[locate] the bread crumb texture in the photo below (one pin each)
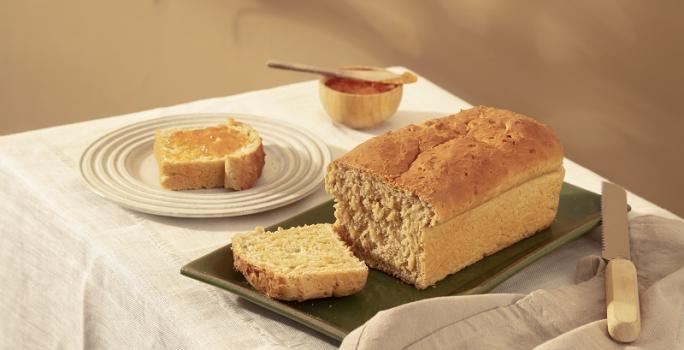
(298, 263)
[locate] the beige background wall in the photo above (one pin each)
(607, 75)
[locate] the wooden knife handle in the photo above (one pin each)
(622, 301)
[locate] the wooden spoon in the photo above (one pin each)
(374, 74)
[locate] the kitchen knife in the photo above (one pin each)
(622, 291)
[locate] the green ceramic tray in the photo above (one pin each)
(579, 211)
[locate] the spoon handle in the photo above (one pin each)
(302, 68)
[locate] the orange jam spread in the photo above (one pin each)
(207, 142)
(361, 87)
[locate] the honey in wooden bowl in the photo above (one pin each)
(359, 104)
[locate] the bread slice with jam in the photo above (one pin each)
(229, 155)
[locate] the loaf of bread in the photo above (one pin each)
(427, 200)
(298, 263)
(228, 155)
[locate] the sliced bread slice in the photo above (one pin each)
(228, 155)
(299, 263)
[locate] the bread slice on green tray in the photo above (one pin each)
(299, 263)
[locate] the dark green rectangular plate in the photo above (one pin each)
(579, 211)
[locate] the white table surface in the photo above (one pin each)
(79, 271)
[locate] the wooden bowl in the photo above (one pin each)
(359, 111)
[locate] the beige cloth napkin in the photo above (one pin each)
(569, 317)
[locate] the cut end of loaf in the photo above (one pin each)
(299, 263)
(383, 225)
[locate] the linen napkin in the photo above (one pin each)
(569, 317)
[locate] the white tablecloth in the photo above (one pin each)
(79, 271)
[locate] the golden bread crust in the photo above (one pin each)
(243, 170)
(497, 224)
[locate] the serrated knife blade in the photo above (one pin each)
(623, 316)
(615, 228)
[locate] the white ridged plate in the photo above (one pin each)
(121, 167)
